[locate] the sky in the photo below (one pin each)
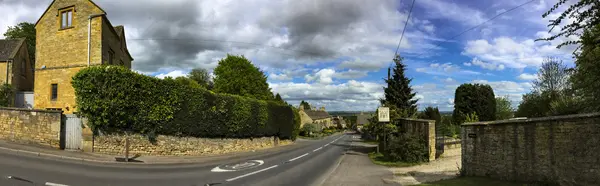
(335, 53)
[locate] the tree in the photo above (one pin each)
(279, 99)
(305, 105)
(586, 79)
(504, 109)
(552, 86)
(432, 114)
(474, 98)
(237, 75)
(585, 15)
(201, 76)
(553, 77)
(398, 92)
(24, 30)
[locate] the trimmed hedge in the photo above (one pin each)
(115, 100)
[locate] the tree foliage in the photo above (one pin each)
(115, 99)
(202, 77)
(553, 76)
(7, 95)
(586, 79)
(237, 75)
(305, 105)
(398, 92)
(553, 86)
(279, 99)
(585, 15)
(504, 108)
(23, 30)
(474, 98)
(432, 114)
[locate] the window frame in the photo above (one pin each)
(52, 92)
(60, 17)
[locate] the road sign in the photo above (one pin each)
(384, 114)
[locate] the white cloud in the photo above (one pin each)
(452, 11)
(323, 76)
(445, 69)
(467, 64)
(513, 54)
(173, 74)
(526, 76)
(280, 77)
(485, 65)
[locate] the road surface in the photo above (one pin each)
(306, 165)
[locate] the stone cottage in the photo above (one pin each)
(64, 46)
(15, 64)
(319, 117)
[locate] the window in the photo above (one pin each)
(66, 18)
(23, 68)
(111, 55)
(54, 92)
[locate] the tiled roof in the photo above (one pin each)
(9, 47)
(317, 114)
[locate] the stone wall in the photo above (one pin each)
(558, 150)
(179, 146)
(423, 128)
(38, 127)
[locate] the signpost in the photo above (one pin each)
(383, 116)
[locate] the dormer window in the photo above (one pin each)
(66, 18)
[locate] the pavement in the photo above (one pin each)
(355, 168)
(303, 163)
(445, 167)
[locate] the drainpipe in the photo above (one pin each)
(90, 35)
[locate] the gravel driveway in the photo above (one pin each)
(446, 167)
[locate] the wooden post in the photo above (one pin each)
(126, 147)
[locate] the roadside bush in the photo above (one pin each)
(406, 148)
(6, 95)
(115, 99)
(309, 129)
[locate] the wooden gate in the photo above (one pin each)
(72, 132)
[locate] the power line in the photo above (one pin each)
(478, 25)
(404, 29)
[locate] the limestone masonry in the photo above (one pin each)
(37, 127)
(557, 150)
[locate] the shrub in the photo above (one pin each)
(406, 148)
(6, 95)
(309, 129)
(471, 98)
(116, 99)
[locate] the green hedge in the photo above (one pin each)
(116, 99)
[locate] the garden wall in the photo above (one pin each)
(37, 127)
(558, 150)
(179, 146)
(423, 128)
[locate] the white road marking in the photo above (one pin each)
(231, 179)
(298, 157)
(317, 149)
(217, 169)
(55, 184)
(325, 145)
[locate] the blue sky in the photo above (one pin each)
(334, 53)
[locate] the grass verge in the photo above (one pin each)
(379, 159)
(472, 181)
(372, 142)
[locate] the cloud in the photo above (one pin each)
(445, 69)
(467, 64)
(326, 76)
(526, 76)
(359, 64)
(173, 74)
(352, 95)
(439, 9)
(485, 65)
(510, 53)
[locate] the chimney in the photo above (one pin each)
(301, 107)
(322, 109)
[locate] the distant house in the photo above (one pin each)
(64, 46)
(339, 121)
(15, 64)
(319, 117)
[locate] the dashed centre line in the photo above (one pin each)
(317, 149)
(54, 184)
(231, 179)
(298, 157)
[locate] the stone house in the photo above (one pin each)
(15, 64)
(64, 46)
(362, 119)
(319, 117)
